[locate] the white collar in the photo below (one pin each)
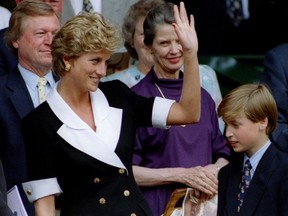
(76, 132)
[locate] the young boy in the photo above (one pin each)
(250, 114)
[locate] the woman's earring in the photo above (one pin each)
(67, 67)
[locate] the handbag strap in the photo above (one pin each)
(175, 197)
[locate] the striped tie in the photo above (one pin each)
(244, 184)
(87, 6)
(235, 11)
(42, 89)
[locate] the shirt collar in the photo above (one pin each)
(254, 160)
(31, 79)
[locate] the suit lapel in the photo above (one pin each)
(259, 181)
(20, 97)
(76, 132)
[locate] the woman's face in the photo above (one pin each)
(87, 70)
(167, 51)
(144, 54)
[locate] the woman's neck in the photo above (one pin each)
(161, 74)
(144, 67)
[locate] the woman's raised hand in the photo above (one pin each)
(185, 29)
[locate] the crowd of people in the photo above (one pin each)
(78, 142)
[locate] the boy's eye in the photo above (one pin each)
(235, 125)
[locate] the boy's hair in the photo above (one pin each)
(254, 101)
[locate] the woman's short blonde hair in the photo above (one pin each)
(86, 32)
(254, 101)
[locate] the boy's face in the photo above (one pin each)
(245, 135)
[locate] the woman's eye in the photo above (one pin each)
(95, 61)
(164, 43)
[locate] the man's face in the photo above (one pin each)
(34, 46)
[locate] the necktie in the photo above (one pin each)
(235, 11)
(42, 89)
(87, 6)
(244, 184)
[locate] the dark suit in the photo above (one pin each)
(264, 29)
(276, 77)
(15, 103)
(8, 60)
(267, 194)
(4, 209)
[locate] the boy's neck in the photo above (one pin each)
(257, 146)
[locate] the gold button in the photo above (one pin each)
(121, 171)
(126, 193)
(29, 192)
(133, 214)
(96, 180)
(102, 201)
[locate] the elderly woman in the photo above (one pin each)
(182, 156)
(79, 142)
(142, 59)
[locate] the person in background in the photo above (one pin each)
(181, 156)
(133, 35)
(57, 5)
(114, 10)
(219, 34)
(4, 17)
(255, 182)
(90, 126)
(33, 25)
(275, 76)
(8, 59)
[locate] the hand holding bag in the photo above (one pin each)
(191, 206)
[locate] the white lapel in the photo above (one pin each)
(100, 145)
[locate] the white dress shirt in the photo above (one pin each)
(31, 81)
(78, 4)
(255, 159)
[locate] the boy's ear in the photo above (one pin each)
(263, 123)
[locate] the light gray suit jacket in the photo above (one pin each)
(114, 10)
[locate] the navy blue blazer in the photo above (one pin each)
(16, 103)
(4, 209)
(276, 77)
(267, 194)
(8, 60)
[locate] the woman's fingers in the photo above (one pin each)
(183, 13)
(180, 14)
(191, 21)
